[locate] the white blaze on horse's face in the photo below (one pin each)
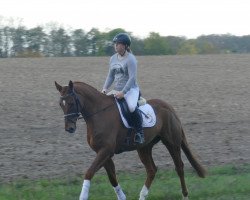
(62, 104)
(70, 108)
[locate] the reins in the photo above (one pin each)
(81, 112)
(92, 114)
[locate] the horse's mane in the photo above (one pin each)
(89, 88)
(85, 85)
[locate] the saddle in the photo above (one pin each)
(125, 110)
(148, 115)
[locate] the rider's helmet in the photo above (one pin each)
(122, 38)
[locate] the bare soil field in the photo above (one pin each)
(211, 94)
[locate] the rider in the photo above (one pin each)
(123, 72)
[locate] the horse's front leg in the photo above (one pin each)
(99, 161)
(110, 169)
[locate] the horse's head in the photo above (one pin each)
(70, 105)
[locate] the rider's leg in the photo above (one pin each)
(137, 118)
(132, 98)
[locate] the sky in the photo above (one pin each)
(189, 18)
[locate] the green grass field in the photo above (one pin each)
(222, 183)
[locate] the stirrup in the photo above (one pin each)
(139, 138)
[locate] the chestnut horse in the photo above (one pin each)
(106, 135)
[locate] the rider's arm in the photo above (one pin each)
(132, 72)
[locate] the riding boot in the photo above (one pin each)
(137, 119)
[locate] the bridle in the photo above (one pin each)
(77, 106)
(80, 112)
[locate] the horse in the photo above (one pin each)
(106, 135)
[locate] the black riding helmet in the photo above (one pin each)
(122, 38)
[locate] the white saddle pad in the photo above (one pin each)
(147, 110)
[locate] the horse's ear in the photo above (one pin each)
(58, 87)
(70, 85)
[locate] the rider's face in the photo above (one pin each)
(119, 48)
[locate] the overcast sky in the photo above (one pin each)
(190, 18)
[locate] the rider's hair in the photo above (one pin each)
(128, 49)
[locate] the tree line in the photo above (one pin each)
(60, 42)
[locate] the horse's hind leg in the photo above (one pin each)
(175, 152)
(110, 169)
(145, 155)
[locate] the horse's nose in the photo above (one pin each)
(71, 130)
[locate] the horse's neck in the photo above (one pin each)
(93, 100)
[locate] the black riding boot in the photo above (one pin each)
(137, 119)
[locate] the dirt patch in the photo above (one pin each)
(210, 94)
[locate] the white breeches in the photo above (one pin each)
(131, 98)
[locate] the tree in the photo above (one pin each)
(59, 43)
(137, 46)
(205, 47)
(36, 40)
(18, 37)
(155, 45)
(223, 43)
(80, 42)
(174, 44)
(53, 40)
(244, 43)
(93, 36)
(6, 42)
(3, 52)
(188, 47)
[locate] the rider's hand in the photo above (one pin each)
(119, 95)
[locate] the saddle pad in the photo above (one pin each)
(147, 110)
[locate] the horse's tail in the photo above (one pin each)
(201, 171)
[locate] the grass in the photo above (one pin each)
(222, 183)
